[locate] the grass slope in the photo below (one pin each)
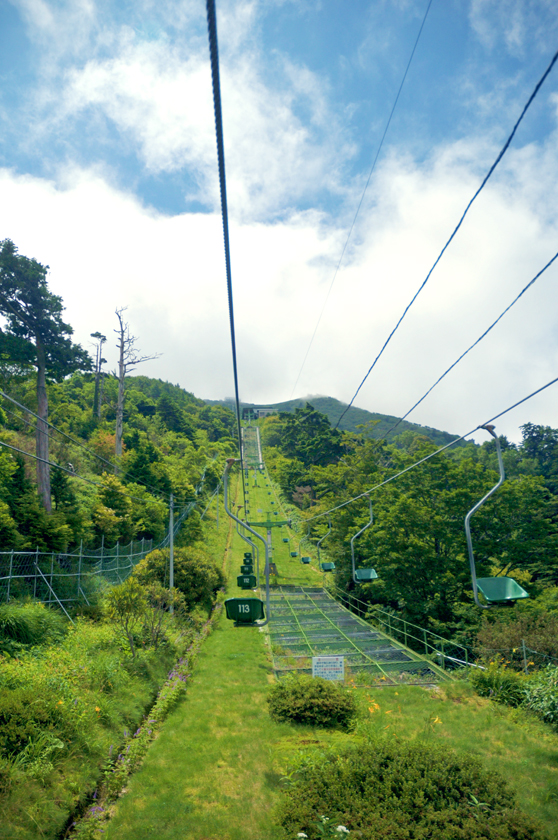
(215, 771)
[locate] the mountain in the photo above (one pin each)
(354, 418)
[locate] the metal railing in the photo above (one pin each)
(448, 653)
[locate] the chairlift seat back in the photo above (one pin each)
(362, 575)
(305, 560)
(244, 610)
(327, 567)
(246, 581)
(501, 589)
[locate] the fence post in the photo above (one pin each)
(425, 642)
(79, 566)
(117, 567)
(51, 575)
(11, 573)
(102, 550)
(405, 632)
(524, 656)
(36, 574)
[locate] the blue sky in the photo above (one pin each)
(108, 174)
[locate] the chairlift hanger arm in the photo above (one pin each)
(362, 530)
(230, 462)
(499, 589)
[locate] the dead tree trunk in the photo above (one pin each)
(43, 469)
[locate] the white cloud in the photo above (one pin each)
(106, 250)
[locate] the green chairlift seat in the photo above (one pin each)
(248, 555)
(501, 590)
(285, 539)
(244, 610)
(247, 569)
(327, 567)
(294, 553)
(246, 581)
(305, 560)
(364, 575)
(496, 590)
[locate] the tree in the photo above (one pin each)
(37, 335)
(128, 358)
(99, 361)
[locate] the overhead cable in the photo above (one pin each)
(362, 196)
(432, 454)
(474, 344)
(214, 60)
(461, 220)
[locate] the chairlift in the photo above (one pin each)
(362, 575)
(320, 541)
(305, 560)
(501, 589)
(327, 567)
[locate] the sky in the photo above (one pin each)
(108, 175)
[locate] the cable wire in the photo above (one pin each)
(432, 454)
(214, 60)
(362, 196)
(474, 344)
(461, 220)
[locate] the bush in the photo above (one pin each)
(499, 683)
(541, 694)
(402, 791)
(195, 574)
(29, 624)
(310, 700)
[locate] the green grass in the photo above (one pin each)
(211, 773)
(215, 771)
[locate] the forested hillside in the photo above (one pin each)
(170, 440)
(359, 420)
(417, 541)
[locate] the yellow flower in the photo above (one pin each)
(97, 709)
(60, 703)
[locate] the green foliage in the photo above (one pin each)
(541, 694)
(312, 701)
(159, 602)
(126, 605)
(499, 682)
(403, 791)
(195, 574)
(30, 624)
(508, 629)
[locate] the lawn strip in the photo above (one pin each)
(211, 772)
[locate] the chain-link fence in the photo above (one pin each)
(70, 578)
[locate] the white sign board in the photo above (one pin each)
(328, 667)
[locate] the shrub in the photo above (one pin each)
(126, 604)
(30, 624)
(310, 700)
(499, 683)
(403, 791)
(541, 694)
(195, 574)
(507, 630)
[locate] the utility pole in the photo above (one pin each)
(171, 546)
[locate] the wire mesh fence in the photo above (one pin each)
(307, 622)
(70, 578)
